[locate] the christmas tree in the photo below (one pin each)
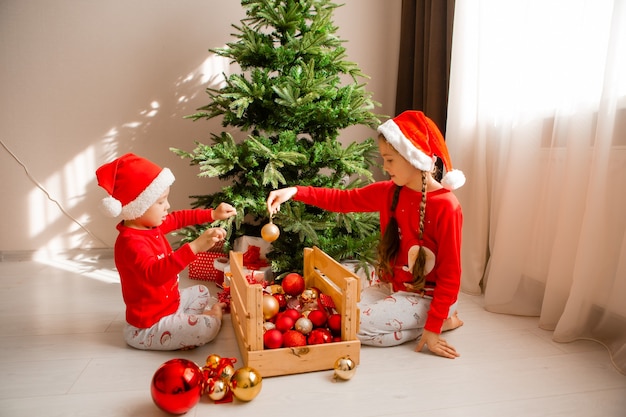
(295, 92)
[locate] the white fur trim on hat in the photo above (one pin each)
(110, 206)
(392, 133)
(148, 196)
(453, 179)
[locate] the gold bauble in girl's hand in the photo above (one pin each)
(270, 232)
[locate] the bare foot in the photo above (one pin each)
(452, 322)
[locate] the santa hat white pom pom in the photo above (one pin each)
(453, 179)
(111, 206)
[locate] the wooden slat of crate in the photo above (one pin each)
(246, 301)
(322, 272)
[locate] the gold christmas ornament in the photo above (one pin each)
(213, 361)
(345, 368)
(226, 372)
(246, 383)
(270, 232)
(218, 388)
(275, 289)
(268, 325)
(270, 306)
(304, 325)
(310, 294)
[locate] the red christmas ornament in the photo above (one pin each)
(284, 322)
(293, 338)
(326, 301)
(273, 339)
(318, 318)
(319, 336)
(177, 386)
(282, 300)
(334, 324)
(293, 284)
(293, 313)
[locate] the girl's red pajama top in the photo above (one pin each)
(442, 234)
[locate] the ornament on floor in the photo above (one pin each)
(345, 368)
(178, 384)
(217, 372)
(217, 389)
(246, 383)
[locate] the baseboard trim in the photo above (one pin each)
(72, 254)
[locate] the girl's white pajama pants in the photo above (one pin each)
(391, 318)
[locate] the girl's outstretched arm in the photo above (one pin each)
(276, 197)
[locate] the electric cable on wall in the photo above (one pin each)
(42, 188)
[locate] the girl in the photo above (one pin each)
(159, 316)
(419, 260)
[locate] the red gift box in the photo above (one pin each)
(203, 268)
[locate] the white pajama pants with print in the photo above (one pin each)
(186, 328)
(391, 318)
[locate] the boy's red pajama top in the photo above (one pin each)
(149, 268)
(442, 234)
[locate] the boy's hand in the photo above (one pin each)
(217, 310)
(224, 211)
(208, 239)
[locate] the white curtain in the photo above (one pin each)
(537, 121)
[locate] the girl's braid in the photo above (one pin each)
(423, 206)
(420, 262)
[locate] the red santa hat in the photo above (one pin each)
(418, 139)
(133, 183)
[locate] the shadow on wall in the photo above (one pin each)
(75, 194)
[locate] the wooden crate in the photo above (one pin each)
(320, 271)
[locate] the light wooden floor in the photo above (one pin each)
(63, 355)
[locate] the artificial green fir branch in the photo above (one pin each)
(290, 101)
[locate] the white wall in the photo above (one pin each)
(84, 81)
